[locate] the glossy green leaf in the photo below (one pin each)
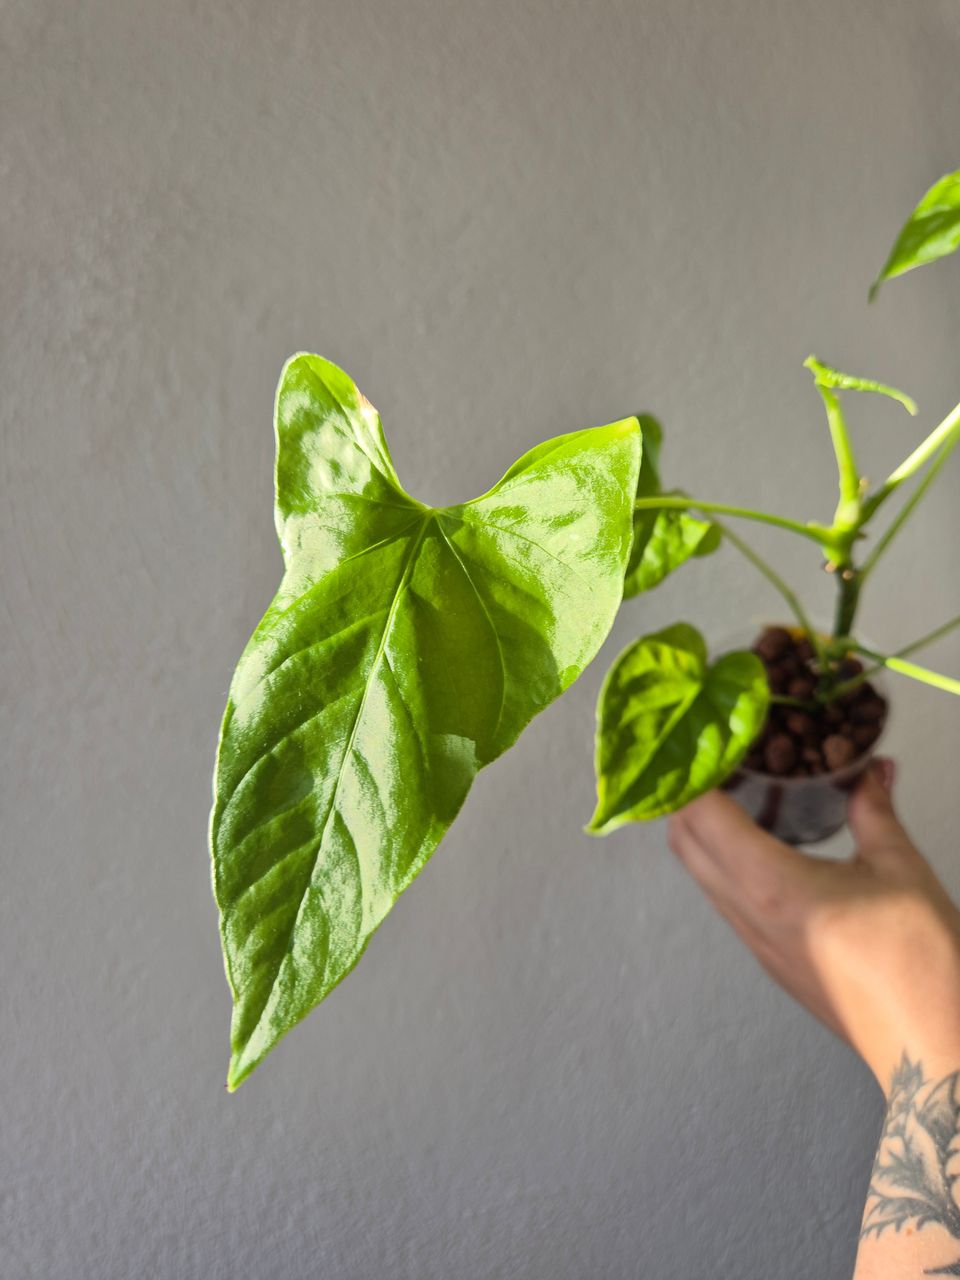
(824, 376)
(662, 540)
(670, 726)
(406, 648)
(932, 231)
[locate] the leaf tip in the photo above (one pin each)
(600, 822)
(239, 1069)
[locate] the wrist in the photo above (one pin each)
(937, 1052)
(911, 1220)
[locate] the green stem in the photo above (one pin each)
(783, 700)
(847, 471)
(908, 507)
(848, 597)
(816, 532)
(944, 435)
(776, 581)
(923, 674)
(915, 645)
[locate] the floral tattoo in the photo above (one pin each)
(916, 1175)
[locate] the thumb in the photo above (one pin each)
(870, 814)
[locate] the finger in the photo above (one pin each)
(711, 878)
(762, 868)
(765, 907)
(875, 826)
(716, 886)
(768, 949)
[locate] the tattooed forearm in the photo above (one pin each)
(916, 1172)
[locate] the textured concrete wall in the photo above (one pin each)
(506, 221)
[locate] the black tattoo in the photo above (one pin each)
(916, 1175)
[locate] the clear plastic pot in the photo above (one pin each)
(799, 810)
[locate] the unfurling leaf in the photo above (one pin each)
(662, 540)
(824, 376)
(670, 726)
(407, 647)
(932, 231)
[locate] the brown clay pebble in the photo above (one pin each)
(777, 680)
(798, 743)
(849, 668)
(780, 754)
(838, 751)
(868, 711)
(801, 687)
(801, 724)
(865, 735)
(772, 643)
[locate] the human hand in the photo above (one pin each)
(870, 945)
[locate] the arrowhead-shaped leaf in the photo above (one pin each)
(932, 231)
(407, 647)
(662, 540)
(670, 726)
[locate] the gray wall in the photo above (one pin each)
(506, 221)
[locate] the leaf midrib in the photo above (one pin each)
(683, 707)
(489, 620)
(408, 564)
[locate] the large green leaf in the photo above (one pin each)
(662, 540)
(406, 648)
(932, 231)
(670, 727)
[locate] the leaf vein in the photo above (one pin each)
(348, 749)
(493, 630)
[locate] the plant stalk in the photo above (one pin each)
(847, 472)
(816, 532)
(946, 434)
(923, 674)
(915, 645)
(848, 597)
(792, 599)
(909, 506)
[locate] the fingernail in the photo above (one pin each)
(885, 771)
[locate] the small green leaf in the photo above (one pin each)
(406, 648)
(710, 541)
(932, 231)
(824, 376)
(670, 727)
(662, 540)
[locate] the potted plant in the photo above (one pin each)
(408, 646)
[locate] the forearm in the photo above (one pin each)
(911, 1219)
